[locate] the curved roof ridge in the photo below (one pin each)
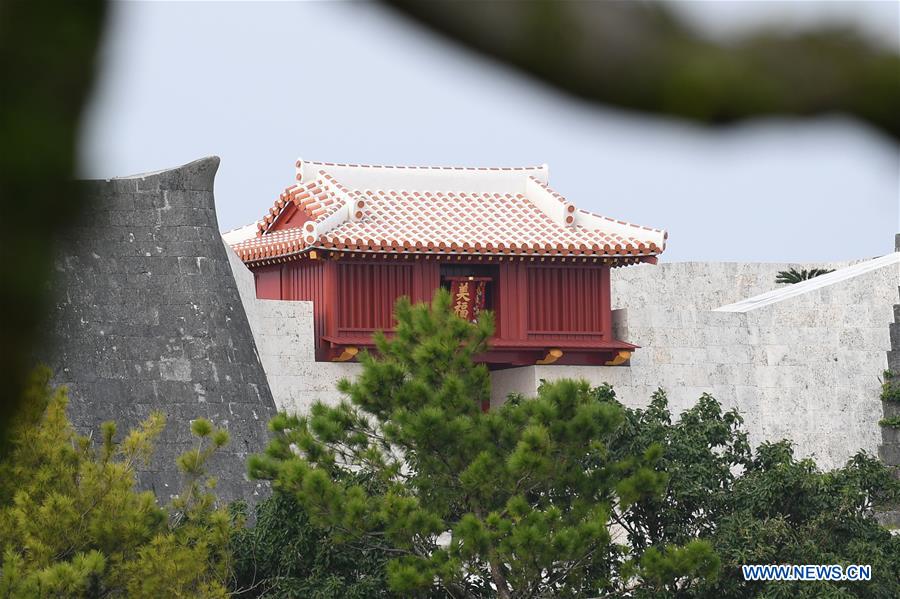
(624, 222)
(556, 195)
(563, 200)
(571, 220)
(291, 194)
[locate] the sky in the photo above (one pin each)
(262, 84)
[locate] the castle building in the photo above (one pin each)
(352, 239)
(154, 313)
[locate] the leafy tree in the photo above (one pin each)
(285, 555)
(703, 453)
(792, 275)
(757, 508)
(73, 525)
(785, 510)
(515, 502)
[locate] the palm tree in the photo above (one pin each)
(791, 276)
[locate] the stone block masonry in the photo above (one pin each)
(807, 368)
(889, 450)
(890, 436)
(148, 317)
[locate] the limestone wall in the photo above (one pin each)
(698, 285)
(807, 368)
(284, 336)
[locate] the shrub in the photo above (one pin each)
(890, 387)
(762, 507)
(893, 422)
(285, 555)
(73, 525)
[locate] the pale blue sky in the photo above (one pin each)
(262, 84)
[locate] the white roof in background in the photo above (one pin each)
(789, 291)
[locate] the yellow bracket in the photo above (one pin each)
(347, 354)
(620, 358)
(552, 356)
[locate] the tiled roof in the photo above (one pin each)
(443, 210)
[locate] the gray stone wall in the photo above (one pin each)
(889, 450)
(890, 436)
(148, 318)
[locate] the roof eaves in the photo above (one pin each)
(288, 253)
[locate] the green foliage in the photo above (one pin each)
(892, 422)
(699, 453)
(72, 524)
(286, 555)
(762, 508)
(784, 510)
(513, 502)
(792, 275)
(890, 388)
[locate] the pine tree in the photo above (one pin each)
(514, 502)
(73, 525)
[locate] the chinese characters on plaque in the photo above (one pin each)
(468, 298)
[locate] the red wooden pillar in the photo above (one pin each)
(426, 279)
(330, 296)
(501, 301)
(605, 303)
(518, 301)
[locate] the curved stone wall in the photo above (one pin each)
(148, 317)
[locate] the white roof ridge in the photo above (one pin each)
(563, 200)
(423, 178)
(842, 274)
(433, 192)
(539, 167)
(241, 233)
(623, 222)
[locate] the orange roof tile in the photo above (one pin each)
(441, 212)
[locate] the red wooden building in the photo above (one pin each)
(354, 238)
